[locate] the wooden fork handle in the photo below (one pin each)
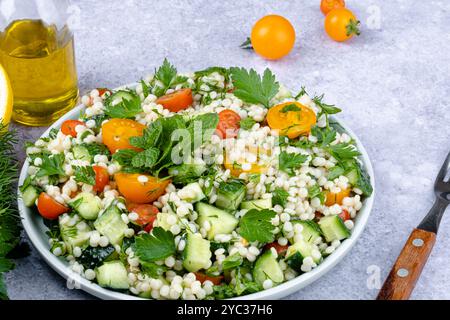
(408, 267)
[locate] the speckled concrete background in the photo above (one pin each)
(393, 84)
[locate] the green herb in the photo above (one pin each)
(288, 162)
(152, 269)
(324, 136)
(243, 285)
(128, 107)
(251, 88)
(124, 157)
(247, 123)
(315, 192)
(146, 158)
(256, 225)
(232, 261)
(326, 108)
(152, 247)
(145, 88)
(220, 70)
(96, 148)
(167, 75)
(291, 107)
(84, 175)
(335, 172)
(53, 133)
(150, 136)
(301, 93)
(343, 151)
(247, 44)
(51, 165)
(363, 181)
(279, 196)
(93, 257)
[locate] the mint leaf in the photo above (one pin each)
(247, 123)
(152, 247)
(256, 225)
(232, 261)
(84, 175)
(124, 156)
(146, 158)
(279, 196)
(51, 165)
(251, 88)
(128, 105)
(288, 162)
(150, 137)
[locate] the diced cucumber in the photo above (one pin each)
(352, 177)
(299, 251)
(185, 173)
(192, 193)
(87, 205)
(29, 196)
(196, 254)
(257, 204)
(120, 95)
(311, 230)
(333, 228)
(230, 194)
(81, 153)
(113, 275)
(111, 225)
(161, 218)
(74, 235)
(93, 257)
(267, 267)
(221, 222)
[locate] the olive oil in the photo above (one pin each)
(40, 62)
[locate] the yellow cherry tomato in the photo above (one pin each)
(341, 24)
(333, 198)
(273, 37)
(140, 188)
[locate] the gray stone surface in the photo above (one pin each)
(393, 84)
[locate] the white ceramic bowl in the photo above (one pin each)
(35, 229)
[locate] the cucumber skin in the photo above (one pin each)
(89, 207)
(333, 228)
(113, 275)
(258, 204)
(81, 153)
(111, 217)
(195, 245)
(29, 196)
(221, 221)
(260, 274)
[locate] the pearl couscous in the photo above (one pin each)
(208, 185)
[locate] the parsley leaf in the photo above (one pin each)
(247, 123)
(51, 165)
(315, 192)
(326, 108)
(123, 104)
(251, 88)
(288, 162)
(335, 172)
(279, 196)
(301, 93)
(167, 75)
(145, 89)
(152, 247)
(232, 261)
(256, 225)
(85, 175)
(324, 136)
(291, 107)
(342, 151)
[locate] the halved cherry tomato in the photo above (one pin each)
(140, 192)
(273, 37)
(292, 119)
(49, 208)
(228, 126)
(203, 277)
(101, 178)
(333, 198)
(280, 249)
(68, 127)
(102, 91)
(341, 24)
(147, 214)
(176, 101)
(345, 215)
(117, 132)
(328, 5)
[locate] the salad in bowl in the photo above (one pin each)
(210, 185)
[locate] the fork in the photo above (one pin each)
(408, 267)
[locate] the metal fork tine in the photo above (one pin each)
(445, 167)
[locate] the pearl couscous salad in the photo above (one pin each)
(208, 185)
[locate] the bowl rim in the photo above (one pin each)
(40, 240)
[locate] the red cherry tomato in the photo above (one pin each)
(345, 215)
(203, 277)
(147, 214)
(68, 127)
(49, 208)
(102, 91)
(280, 249)
(177, 101)
(228, 126)
(101, 178)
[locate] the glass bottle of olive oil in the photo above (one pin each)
(39, 59)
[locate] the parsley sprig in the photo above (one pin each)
(256, 225)
(123, 104)
(84, 174)
(288, 162)
(51, 165)
(152, 247)
(167, 75)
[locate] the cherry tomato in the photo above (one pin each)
(68, 127)
(102, 91)
(101, 178)
(49, 208)
(147, 214)
(341, 24)
(273, 37)
(203, 277)
(177, 101)
(117, 132)
(328, 5)
(345, 215)
(292, 123)
(228, 126)
(280, 249)
(135, 191)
